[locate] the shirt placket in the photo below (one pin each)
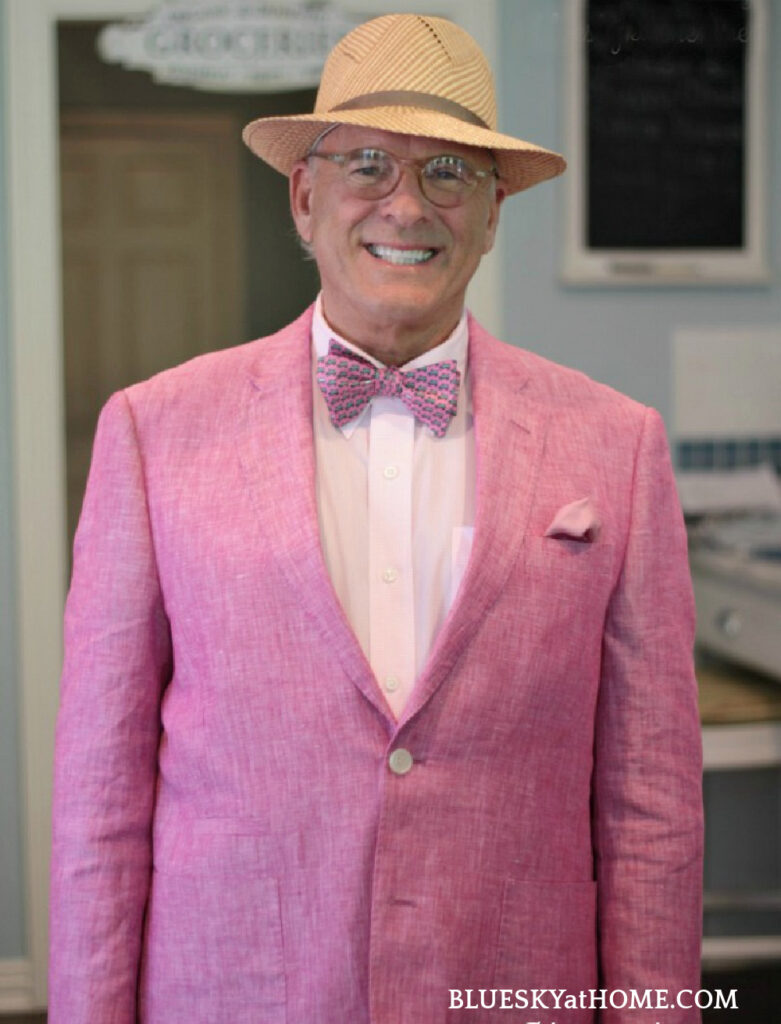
(391, 583)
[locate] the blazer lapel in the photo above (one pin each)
(510, 431)
(278, 462)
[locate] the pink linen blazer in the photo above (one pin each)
(230, 844)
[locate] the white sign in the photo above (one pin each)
(229, 46)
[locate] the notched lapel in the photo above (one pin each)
(277, 457)
(278, 461)
(510, 431)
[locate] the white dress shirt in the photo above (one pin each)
(396, 513)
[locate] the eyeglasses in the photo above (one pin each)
(445, 180)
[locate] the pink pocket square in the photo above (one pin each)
(576, 521)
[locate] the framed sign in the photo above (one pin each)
(229, 45)
(666, 140)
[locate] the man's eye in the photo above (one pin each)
(367, 164)
(443, 173)
(365, 170)
(447, 170)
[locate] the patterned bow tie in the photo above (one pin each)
(349, 382)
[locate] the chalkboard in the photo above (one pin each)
(666, 132)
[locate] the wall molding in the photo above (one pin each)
(16, 986)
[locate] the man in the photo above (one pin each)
(378, 679)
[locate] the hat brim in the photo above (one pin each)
(282, 141)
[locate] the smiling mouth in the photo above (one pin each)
(401, 257)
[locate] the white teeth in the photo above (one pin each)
(403, 257)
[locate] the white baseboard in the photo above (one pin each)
(16, 986)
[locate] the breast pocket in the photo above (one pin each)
(591, 556)
(575, 574)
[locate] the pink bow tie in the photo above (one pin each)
(349, 382)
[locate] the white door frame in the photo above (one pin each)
(37, 392)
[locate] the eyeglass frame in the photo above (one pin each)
(419, 163)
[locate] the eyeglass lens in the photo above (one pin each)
(446, 180)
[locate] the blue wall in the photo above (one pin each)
(617, 335)
(12, 937)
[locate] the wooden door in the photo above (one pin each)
(152, 256)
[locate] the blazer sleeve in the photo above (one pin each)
(117, 661)
(647, 795)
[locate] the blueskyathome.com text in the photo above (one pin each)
(591, 999)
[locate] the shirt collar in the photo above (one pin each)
(455, 346)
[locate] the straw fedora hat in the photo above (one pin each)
(413, 74)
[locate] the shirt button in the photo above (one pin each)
(390, 575)
(390, 472)
(400, 761)
(392, 683)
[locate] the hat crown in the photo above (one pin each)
(409, 53)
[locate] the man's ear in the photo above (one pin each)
(301, 199)
(493, 216)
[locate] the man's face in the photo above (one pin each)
(356, 241)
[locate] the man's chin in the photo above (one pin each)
(405, 316)
(405, 301)
(391, 307)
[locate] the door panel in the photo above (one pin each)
(151, 255)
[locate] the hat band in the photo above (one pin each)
(409, 98)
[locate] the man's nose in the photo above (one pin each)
(407, 203)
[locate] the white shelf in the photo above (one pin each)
(755, 745)
(720, 950)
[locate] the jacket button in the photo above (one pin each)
(400, 761)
